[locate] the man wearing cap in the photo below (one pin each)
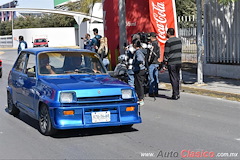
(153, 65)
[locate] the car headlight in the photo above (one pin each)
(67, 97)
(127, 93)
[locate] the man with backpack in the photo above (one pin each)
(153, 64)
(96, 40)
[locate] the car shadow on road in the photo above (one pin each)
(85, 132)
(26, 119)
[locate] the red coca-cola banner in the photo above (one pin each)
(162, 16)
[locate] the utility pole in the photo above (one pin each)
(122, 25)
(15, 3)
(199, 42)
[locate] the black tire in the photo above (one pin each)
(45, 124)
(1, 74)
(12, 109)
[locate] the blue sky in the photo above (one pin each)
(43, 4)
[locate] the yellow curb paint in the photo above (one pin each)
(1, 52)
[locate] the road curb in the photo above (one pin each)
(206, 92)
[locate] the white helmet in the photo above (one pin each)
(122, 58)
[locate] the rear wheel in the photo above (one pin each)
(45, 124)
(12, 109)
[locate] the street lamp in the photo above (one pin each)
(14, 4)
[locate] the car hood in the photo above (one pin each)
(87, 85)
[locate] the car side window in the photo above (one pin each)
(31, 65)
(21, 62)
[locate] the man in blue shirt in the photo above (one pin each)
(96, 40)
(22, 44)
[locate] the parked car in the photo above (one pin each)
(0, 68)
(69, 88)
(40, 42)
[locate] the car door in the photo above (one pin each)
(29, 83)
(16, 81)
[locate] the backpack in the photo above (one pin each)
(97, 40)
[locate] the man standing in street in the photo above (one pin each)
(96, 41)
(173, 59)
(153, 66)
(22, 44)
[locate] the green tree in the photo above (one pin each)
(186, 7)
(5, 28)
(225, 2)
(46, 20)
(81, 5)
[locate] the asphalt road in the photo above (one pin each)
(192, 126)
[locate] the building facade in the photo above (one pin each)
(8, 16)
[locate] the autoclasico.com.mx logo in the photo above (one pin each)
(189, 154)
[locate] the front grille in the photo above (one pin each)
(102, 98)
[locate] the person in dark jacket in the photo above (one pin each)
(153, 63)
(95, 42)
(22, 44)
(139, 70)
(172, 57)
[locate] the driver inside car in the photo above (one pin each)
(45, 67)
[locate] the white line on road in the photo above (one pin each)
(238, 139)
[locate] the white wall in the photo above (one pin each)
(57, 37)
(87, 27)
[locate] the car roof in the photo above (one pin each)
(37, 51)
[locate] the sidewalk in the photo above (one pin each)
(213, 86)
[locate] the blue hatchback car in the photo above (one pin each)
(69, 88)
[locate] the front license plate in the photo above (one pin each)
(100, 117)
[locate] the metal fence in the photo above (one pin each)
(222, 33)
(187, 32)
(6, 41)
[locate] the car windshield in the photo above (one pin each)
(40, 40)
(69, 63)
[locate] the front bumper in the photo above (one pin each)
(82, 117)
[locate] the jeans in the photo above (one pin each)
(139, 78)
(130, 78)
(153, 78)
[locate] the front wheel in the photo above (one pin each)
(45, 124)
(12, 109)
